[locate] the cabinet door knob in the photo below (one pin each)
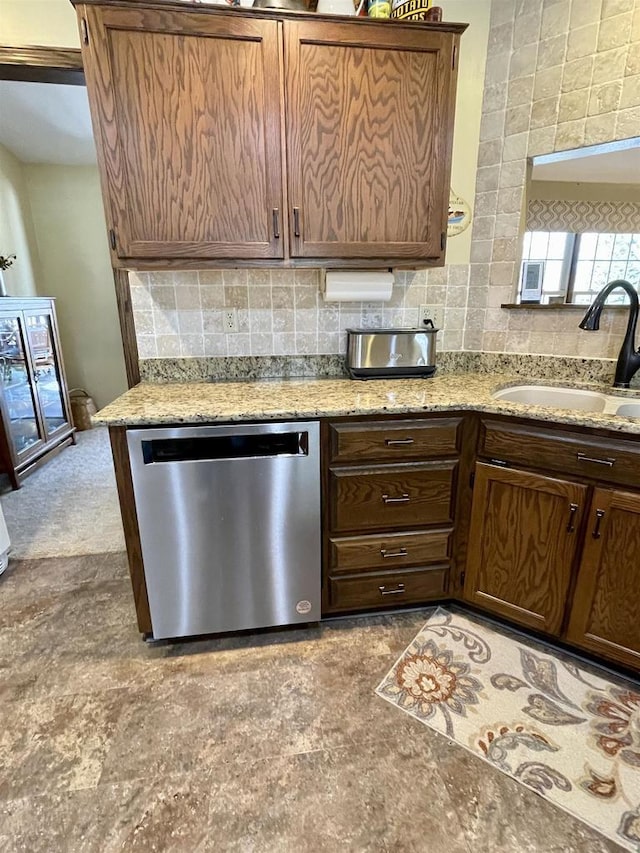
(596, 530)
(573, 509)
(403, 499)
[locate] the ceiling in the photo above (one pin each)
(46, 123)
(599, 164)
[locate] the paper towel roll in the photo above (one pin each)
(358, 286)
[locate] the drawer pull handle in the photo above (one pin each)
(399, 590)
(401, 552)
(404, 499)
(397, 442)
(582, 457)
(276, 223)
(596, 530)
(573, 509)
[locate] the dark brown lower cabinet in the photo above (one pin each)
(523, 541)
(605, 614)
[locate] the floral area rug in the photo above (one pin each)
(572, 736)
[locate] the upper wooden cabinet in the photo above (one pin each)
(186, 109)
(270, 138)
(369, 132)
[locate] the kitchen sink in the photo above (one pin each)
(629, 410)
(577, 399)
(556, 398)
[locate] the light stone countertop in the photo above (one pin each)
(150, 404)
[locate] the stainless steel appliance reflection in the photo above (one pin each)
(229, 521)
(380, 353)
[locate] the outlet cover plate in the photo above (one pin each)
(429, 312)
(230, 320)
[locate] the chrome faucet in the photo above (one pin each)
(629, 358)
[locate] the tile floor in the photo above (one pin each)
(274, 742)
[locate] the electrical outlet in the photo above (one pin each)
(436, 315)
(230, 319)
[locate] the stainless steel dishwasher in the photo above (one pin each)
(229, 521)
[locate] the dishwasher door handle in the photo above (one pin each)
(214, 448)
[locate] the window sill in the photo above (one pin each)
(534, 306)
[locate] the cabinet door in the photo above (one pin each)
(369, 134)
(48, 376)
(606, 605)
(522, 544)
(20, 411)
(187, 112)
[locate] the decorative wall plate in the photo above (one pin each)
(459, 215)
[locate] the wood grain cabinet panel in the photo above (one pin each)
(390, 441)
(577, 453)
(523, 541)
(190, 107)
(186, 111)
(384, 590)
(389, 551)
(391, 497)
(369, 134)
(605, 615)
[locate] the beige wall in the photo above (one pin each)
(71, 237)
(473, 57)
(16, 228)
(38, 22)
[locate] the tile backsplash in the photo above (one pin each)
(279, 312)
(283, 312)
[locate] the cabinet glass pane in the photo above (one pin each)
(17, 389)
(48, 383)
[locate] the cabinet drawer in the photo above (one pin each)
(390, 551)
(610, 460)
(391, 496)
(386, 441)
(383, 590)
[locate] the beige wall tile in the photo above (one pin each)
(555, 19)
(585, 12)
(582, 41)
(627, 123)
(516, 119)
(605, 98)
(523, 61)
(573, 105)
(630, 96)
(577, 74)
(552, 51)
(615, 32)
(609, 65)
(544, 113)
(570, 134)
(520, 91)
(494, 341)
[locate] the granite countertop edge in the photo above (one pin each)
(150, 404)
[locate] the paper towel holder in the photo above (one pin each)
(358, 272)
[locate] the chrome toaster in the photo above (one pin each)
(391, 353)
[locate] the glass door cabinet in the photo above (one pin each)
(34, 401)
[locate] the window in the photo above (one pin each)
(577, 266)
